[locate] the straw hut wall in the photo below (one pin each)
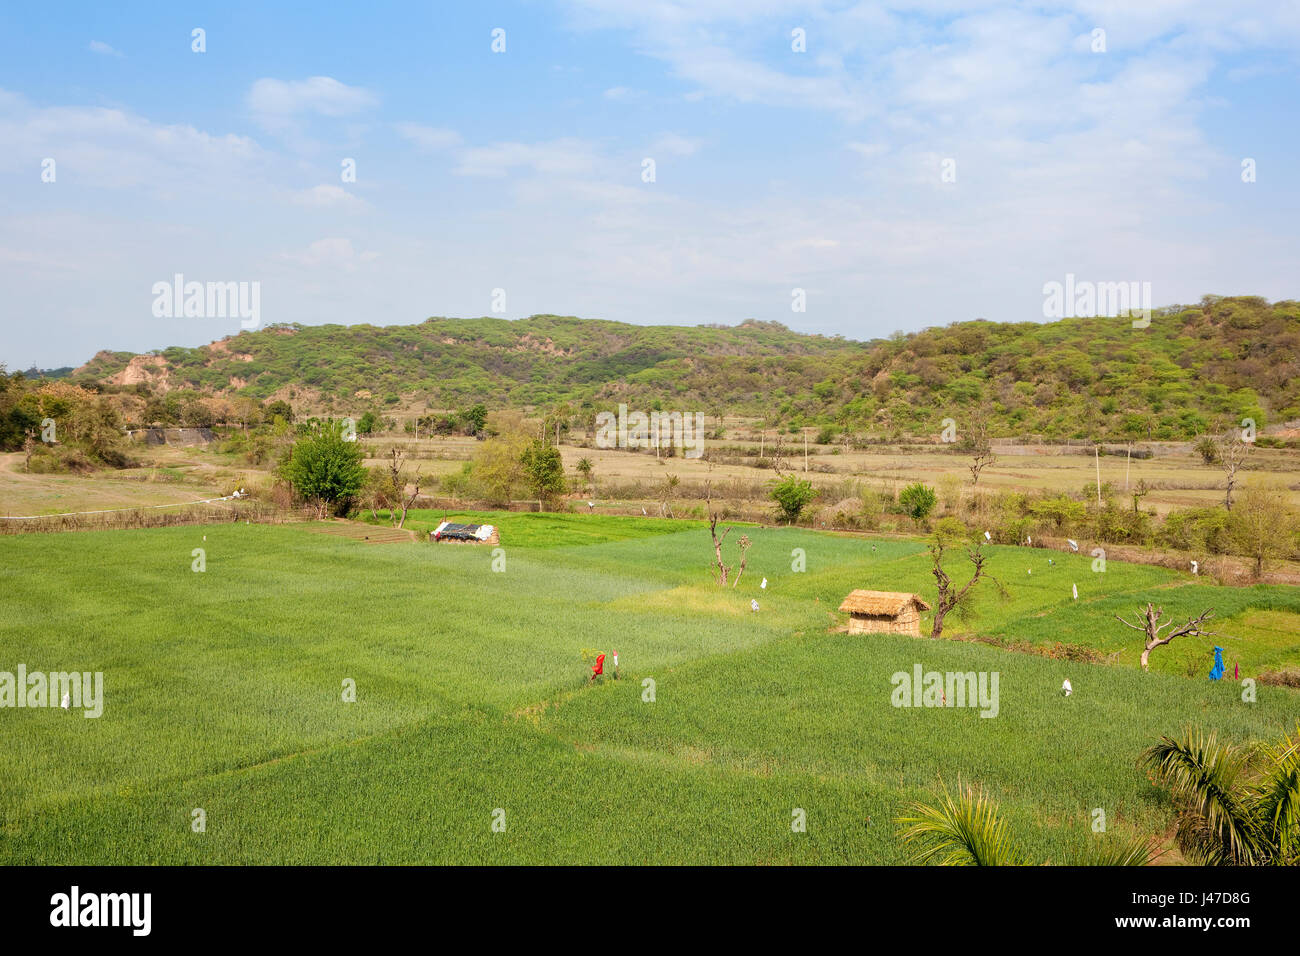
(884, 612)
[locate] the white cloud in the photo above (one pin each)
(429, 139)
(115, 149)
(869, 150)
(568, 157)
(326, 196)
(332, 254)
(273, 102)
(98, 46)
(670, 144)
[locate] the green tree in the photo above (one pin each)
(279, 409)
(543, 470)
(498, 471)
(1208, 449)
(96, 427)
(474, 419)
(1261, 527)
(918, 500)
(792, 494)
(324, 468)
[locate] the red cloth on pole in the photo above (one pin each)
(599, 667)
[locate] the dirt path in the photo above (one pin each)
(358, 531)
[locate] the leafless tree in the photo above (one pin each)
(1140, 491)
(722, 570)
(397, 478)
(1149, 623)
(1233, 449)
(978, 443)
(778, 454)
(744, 544)
(407, 502)
(666, 490)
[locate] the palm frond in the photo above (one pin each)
(1278, 800)
(1206, 780)
(964, 830)
(1113, 851)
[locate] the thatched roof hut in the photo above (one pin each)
(884, 612)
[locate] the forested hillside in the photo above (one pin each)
(1224, 358)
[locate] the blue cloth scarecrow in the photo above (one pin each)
(1218, 664)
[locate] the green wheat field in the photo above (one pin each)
(224, 693)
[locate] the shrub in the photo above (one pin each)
(918, 500)
(792, 494)
(325, 468)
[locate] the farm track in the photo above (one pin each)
(370, 534)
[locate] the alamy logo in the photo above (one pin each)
(1073, 299)
(934, 689)
(83, 691)
(179, 299)
(684, 430)
(74, 908)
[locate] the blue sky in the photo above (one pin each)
(522, 170)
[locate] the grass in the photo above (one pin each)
(544, 529)
(223, 692)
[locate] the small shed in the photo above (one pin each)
(884, 612)
(466, 533)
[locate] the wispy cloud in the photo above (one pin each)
(116, 149)
(671, 144)
(429, 139)
(331, 254)
(570, 157)
(102, 48)
(275, 102)
(327, 196)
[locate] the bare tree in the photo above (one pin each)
(950, 596)
(407, 502)
(778, 454)
(1149, 623)
(722, 569)
(1233, 449)
(397, 478)
(978, 443)
(1140, 491)
(744, 544)
(666, 490)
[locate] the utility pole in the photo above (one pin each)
(1096, 451)
(805, 451)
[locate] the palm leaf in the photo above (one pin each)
(1136, 851)
(960, 831)
(1206, 779)
(1278, 800)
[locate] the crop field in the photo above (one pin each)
(1176, 476)
(224, 693)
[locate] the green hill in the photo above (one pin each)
(1224, 358)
